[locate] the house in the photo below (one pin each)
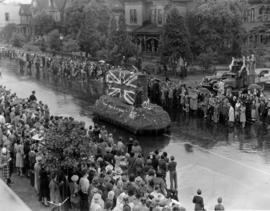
(54, 8)
(9, 13)
(256, 20)
(145, 19)
(25, 20)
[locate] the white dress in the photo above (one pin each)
(19, 155)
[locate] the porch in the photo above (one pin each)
(147, 39)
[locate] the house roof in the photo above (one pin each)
(148, 29)
(60, 4)
(25, 10)
(116, 5)
(51, 4)
(42, 4)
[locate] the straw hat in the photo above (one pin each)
(74, 178)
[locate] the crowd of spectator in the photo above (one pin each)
(229, 108)
(117, 175)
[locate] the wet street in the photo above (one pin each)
(234, 164)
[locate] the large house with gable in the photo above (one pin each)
(145, 19)
(54, 8)
(256, 21)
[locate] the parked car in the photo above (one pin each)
(262, 75)
(209, 81)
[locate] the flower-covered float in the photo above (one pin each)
(126, 104)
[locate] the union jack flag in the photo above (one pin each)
(122, 84)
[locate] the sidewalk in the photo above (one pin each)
(21, 186)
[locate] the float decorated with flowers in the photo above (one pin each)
(126, 104)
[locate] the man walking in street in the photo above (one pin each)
(173, 175)
(219, 206)
(198, 201)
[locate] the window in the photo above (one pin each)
(153, 16)
(133, 16)
(7, 16)
(159, 21)
(252, 15)
(262, 10)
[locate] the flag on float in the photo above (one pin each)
(122, 84)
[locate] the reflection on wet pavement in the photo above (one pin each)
(232, 163)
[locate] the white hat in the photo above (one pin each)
(108, 168)
(4, 150)
(75, 178)
(38, 158)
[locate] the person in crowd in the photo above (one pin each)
(54, 189)
(219, 206)
(2, 118)
(74, 193)
(243, 115)
(231, 116)
(19, 156)
(44, 185)
(33, 97)
(4, 165)
(84, 185)
(198, 201)
(37, 168)
(173, 174)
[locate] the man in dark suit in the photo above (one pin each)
(198, 201)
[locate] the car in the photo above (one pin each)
(209, 81)
(262, 75)
(230, 80)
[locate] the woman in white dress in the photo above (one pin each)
(19, 157)
(243, 115)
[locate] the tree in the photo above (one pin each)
(74, 18)
(207, 59)
(17, 40)
(119, 42)
(93, 32)
(216, 25)
(8, 31)
(54, 40)
(71, 45)
(175, 40)
(43, 24)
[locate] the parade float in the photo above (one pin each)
(126, 104)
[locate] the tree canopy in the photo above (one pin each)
(74, 18)
(17, 40)
(216, 26)
(175, 39)
(93, 31)
(8, 31)
(43, 24)
(119, 42)
(54, 40)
